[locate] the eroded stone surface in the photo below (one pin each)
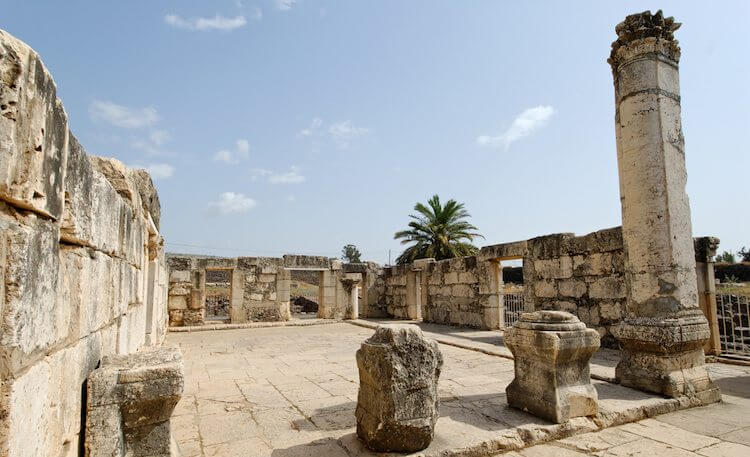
(398, 401)
(552, 350)
(130, 402)
(664, 330)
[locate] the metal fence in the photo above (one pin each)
(513, 308)
(733, 313)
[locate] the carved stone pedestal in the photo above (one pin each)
(665, 356)
(552, 350)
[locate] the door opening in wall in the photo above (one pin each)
(218, 295)
(305, 293)
(510, 289)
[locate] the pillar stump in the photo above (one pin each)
(664, 330)
(552, 350)
(130, 402)
(398, 400)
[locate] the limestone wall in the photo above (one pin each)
(260, 287)
(459, 292)
(583, 275)
(455, 292)
(81, 258)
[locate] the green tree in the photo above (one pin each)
(726, 257)
(351, 254)
(744, 254)
(437, 231)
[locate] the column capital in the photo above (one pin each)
(645, 33)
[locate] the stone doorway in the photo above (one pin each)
(305, 293)
(218, 300)
(508, 289)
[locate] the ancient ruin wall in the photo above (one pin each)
(453, 291)
(583, 275)
(459, 293)
(81, 259)
(260, 287)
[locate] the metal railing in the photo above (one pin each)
(733, 315)
(513, 308)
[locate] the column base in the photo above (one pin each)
(665, 356)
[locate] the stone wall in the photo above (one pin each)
(583, 275)
(459, 292)
(81, 258)
(260, 287)
(455, 292)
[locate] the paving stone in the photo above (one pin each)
(645, 448)
(669, 434)
(546, 450)
(601, 440)
(726, 450)
(741, 436)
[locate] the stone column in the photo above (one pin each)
(664, 330)
(705, 250)
(351, 283)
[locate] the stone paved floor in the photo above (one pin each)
(291, 391)
(719, 430)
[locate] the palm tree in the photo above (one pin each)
(438, 231)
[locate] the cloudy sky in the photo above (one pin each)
(298, 126)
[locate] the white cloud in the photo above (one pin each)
(314, 127)
(217, 22)
(290, 177)
(232, 202)
(291, 198)
(342, 133)
(157, 170)
(240, 152)
(159, 137)
(160, 170)
(259, 173)
(152, 145)
(285, 5)
(122, 116)
(526, 123)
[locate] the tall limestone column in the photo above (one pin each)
(664, 330)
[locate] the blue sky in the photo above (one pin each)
(282, 126)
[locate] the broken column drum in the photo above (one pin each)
(130, 402)
(398, 400)
(552, 350)
(664, 330)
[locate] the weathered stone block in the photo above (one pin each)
(130, 402)
(545, 289)
(451, 277)
(33, 131)
(552, 351)
(32, 319)
(608, 287)
(467, 277)
(398, 400)
(572, 288)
